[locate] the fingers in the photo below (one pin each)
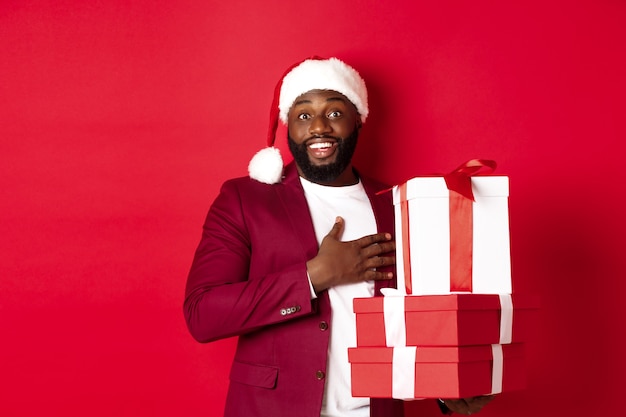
(373, 239)
(337, 229)
(378, 249)
(476, 403)
(458, 406)
(372, 245)
(468, 406)
(373, 275)
(380, 261)
(365, 241)
(373, 249)
(375, 245)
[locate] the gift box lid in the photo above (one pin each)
(435, 187)
(437, 354)
(447, 302)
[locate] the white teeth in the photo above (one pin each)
(320, 145)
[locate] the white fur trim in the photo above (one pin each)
(266, 166)
(329, 74)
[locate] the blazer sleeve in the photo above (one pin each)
(222, 297)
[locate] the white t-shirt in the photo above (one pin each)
(351, 203)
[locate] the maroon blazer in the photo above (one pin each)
(248, 279)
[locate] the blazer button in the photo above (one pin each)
(320, 375)
(323, 326)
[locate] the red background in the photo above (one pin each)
(120, 120)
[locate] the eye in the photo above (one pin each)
(334, 114)
(304, 116)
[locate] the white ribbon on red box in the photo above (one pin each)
(506, 319)
(403, 371)
(395, 319)
(497, 370)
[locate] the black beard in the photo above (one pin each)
(328, 172)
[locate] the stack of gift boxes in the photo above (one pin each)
(453, 328)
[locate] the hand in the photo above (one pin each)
(340, 262)
(468, 406)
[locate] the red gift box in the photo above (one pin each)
(438, 372)
(444, 320)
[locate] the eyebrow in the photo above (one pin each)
(329, 99)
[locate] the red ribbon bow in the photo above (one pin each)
(460, 180)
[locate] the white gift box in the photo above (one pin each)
(423, 236)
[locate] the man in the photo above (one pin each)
(284, 252)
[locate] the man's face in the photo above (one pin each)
(323, 131)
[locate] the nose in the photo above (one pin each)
(319, 125)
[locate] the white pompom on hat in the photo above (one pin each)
(311, 74)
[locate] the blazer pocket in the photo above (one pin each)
(261, 376)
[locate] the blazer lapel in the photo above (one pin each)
(291, 195)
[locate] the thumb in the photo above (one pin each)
(337, 229)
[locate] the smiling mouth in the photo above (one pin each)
(321, 145)
(322, 148)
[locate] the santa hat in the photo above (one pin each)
(311, 74)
